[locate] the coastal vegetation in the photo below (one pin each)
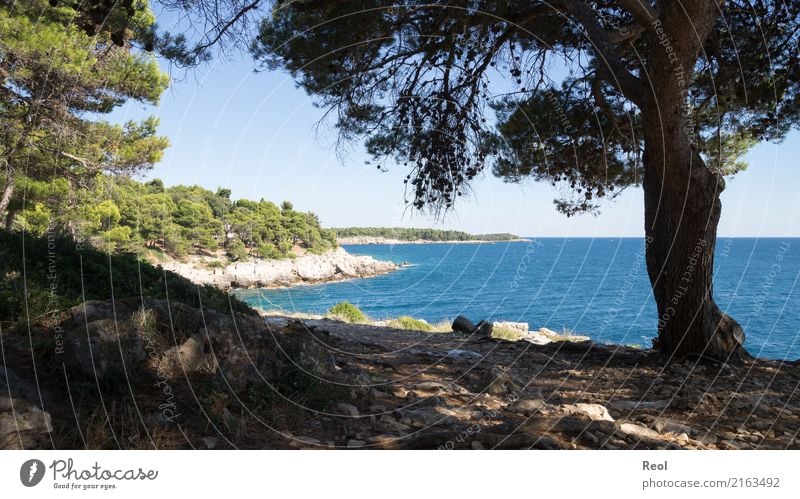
(117, 215)
(411, 234)
(42, 277)
(347, 312)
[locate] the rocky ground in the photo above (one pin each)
(334, 265)
(170, 376)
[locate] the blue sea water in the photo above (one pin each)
(597, 287)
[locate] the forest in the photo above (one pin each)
(122, 215)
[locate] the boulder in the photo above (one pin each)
(463, 325)
(104, 346)
(483, 328)
(23, 424)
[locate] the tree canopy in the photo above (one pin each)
(60, 73)
(117, 215)
(419, 80)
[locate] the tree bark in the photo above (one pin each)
(682, 210)
(8, 191)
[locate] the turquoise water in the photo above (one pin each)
(597, 287)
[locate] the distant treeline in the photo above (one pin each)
(404, 234)
(117, 214)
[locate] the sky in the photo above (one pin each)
(256, 134)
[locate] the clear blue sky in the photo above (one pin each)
(255, 134)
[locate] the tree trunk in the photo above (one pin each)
(682, 210)
(10, 216)
(8, 191)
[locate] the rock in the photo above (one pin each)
(463, 325)
(483, 328)
(347, 409)
(517, 327)
(189, 357)
(463, 354)
(639, 431)
(528, 406)
(422, 418)
(210, 442)
(355, 444)
(23, 424)
(498, 381)
(666, 425)
(595, 412)
(475, 445)
(546, 336)
(103, 346)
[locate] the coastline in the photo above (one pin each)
(332, 266)
(366, 240)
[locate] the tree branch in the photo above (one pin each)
(641, 10)
(613, 70)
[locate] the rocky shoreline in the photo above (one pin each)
(334, 265)
(384, 240)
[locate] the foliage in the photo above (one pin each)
(410, 323)
(177, 220)
(41, 276)
(60, 70)
(347, 312)
(419, 87)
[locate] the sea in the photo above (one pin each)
(590, 286)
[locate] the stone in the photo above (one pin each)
(475, 445)
(103, 346)
(595, 412)
(483, 328)
(463, 325)
(517, 327)
(498, 381)
(347, 409)
(639, 431)
(666, 425)
(23, 424)
(528, 406)
(463, 354)
(355, 444)
(210, 442)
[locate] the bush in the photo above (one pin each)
(347, 312)
(406, 322)
(506, 334)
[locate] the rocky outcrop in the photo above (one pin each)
(334, 265)
(23, 424)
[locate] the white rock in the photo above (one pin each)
(595, 412)
(519, 327)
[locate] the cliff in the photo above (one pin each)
(334, 265)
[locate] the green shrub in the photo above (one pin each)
(347, 312)
(406, 322)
